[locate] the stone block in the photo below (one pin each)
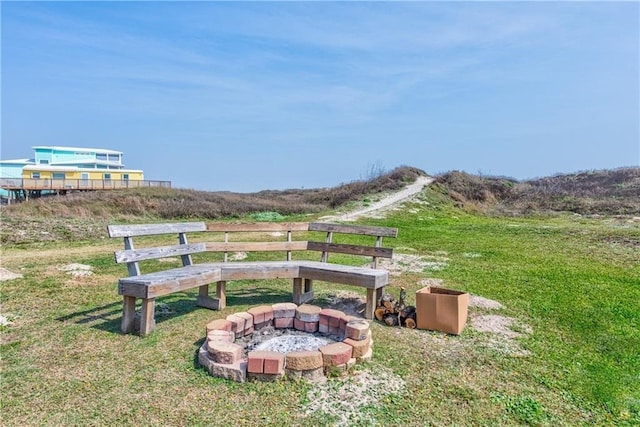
(359, 347)
(308, 313)
(218, 335)
(284, 309)
(336, 354)
(219, 324)
(235, 371)
(312, 375)
(365, 357)
(357, 329)
(268, 378)
(303, 360)
(224, 352)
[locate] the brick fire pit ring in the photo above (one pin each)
(224, 355)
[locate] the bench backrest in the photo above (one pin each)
(132, 256)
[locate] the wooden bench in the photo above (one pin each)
(190, 275)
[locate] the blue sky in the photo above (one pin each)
(246, 96)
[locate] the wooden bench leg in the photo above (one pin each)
(379, 293)
(221, 294)
(147, 320)
(204, 300)
(371, 304)
(128, 314)
(300, 296)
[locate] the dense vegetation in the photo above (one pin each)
(85, 215)
(569, 283)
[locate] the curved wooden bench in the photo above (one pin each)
(303, 272)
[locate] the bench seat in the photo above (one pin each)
(166, 282)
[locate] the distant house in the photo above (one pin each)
(70, 163)
(59, 169)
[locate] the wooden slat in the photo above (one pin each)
(255, 246)
(259, 226)
(134, 255)
(350, 249)
(169, 281)
(152, 229)
(354, 229)
(336, 273)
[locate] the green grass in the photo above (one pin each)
(572, 280)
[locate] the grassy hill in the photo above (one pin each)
(85, 215)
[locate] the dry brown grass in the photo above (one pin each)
(605, 192)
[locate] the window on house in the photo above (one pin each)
(44, 162)
(100, 156)
(35, 175)
(106, 176)
(114, 158)
(125, 177)
(58, 175)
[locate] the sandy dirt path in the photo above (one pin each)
(390, 200)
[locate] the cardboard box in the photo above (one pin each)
(440, 309)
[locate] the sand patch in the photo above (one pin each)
(77, 270)
(8, 275)
(402, 263)
(476, 301)
(342, 399)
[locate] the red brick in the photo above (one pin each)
(274, 363)
(248, 319)
(283, 322)
(323, 329)
(261, 314)
(255, 360)
(237, 323)
(331, 317)
(311, 327)
(344, 320)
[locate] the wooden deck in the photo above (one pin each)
(25, 188)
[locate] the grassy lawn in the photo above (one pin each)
(570, 284)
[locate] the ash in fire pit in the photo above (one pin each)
(268, 342)
(285, 340)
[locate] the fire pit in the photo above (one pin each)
(268, 343)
